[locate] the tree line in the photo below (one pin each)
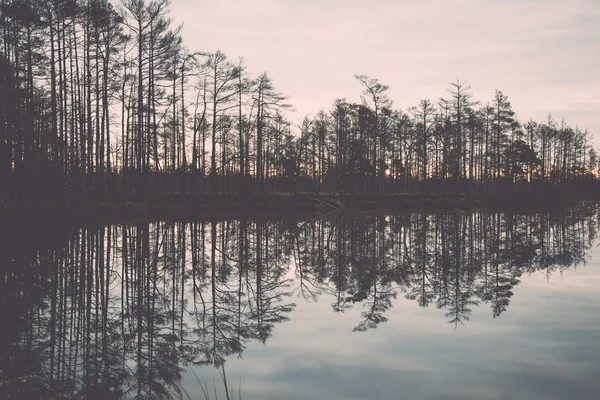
(120, 311)
(102, 100)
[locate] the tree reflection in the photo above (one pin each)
(121, 311)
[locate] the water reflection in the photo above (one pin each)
(122, 311)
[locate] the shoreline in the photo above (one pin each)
(273, 205)
(24, 226)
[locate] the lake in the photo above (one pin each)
(412, 306)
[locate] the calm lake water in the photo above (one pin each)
(411, 306)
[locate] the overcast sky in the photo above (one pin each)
(543, 54)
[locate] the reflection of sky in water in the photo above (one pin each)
(545, 346)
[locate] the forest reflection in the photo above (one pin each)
(121, 311)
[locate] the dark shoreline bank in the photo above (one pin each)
(271, 206)
(27, 226)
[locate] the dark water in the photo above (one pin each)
(415, 306)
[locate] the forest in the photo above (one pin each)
(103, 100)
(120, 311)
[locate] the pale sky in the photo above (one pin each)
(543, 54)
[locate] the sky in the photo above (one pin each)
(543, 54)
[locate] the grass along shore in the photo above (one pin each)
(273, 205)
